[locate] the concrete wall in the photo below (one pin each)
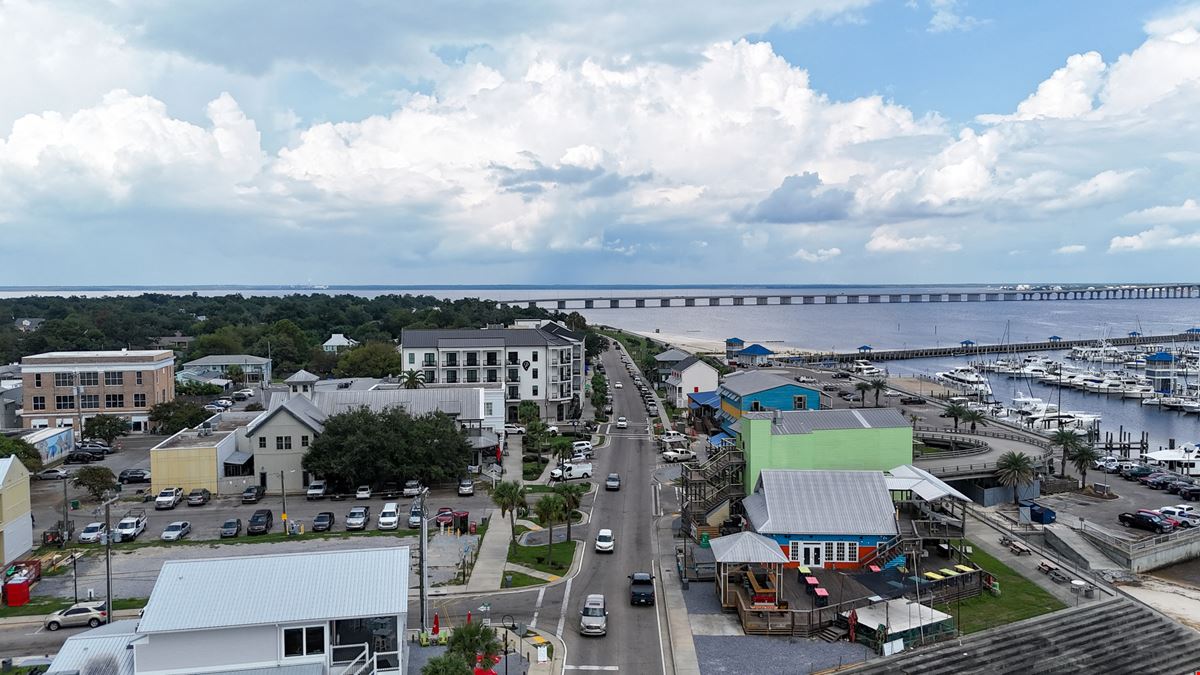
(985, 494)
(194, 651)
(851, 449)
(1178, 549)
(271, 460)
(184, 467)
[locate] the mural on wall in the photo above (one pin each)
(56, 446)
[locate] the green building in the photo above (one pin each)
(865, 439)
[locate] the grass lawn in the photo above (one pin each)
(42, 606)
(535, 557)
(532, 470)
(1019, 599)
(520, 579)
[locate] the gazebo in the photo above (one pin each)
(864, 349)
(749, 563)
(967, 343)
(1054, 338)
(1134, 334)
(1192, 331)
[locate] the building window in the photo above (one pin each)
(513, 393)
(283, 442)
(487, 408)
(304, 641)
(412, 358)
(114, 379)
(304, 441)
(492, 376)
(512, 359)
(829, 552)
(493, 359)
(800, 402)
(452, 360)
(755, 406)
(89, 401)
(535, 390)
(64, 402)
(472, 376)
(262, 442)
(535, 373)
(139, 400)
(451, 376)
(89, 379)
(472, 359)
(430, 359)
(139, 377)
(64, 379)
(430, 377)
(513, 375)
(794, 551)
(114, 400)
(39, 402)
(851, 552)
(535, 357)
(37, 379)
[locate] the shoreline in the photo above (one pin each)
(709, 346)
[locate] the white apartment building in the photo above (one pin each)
(537, 361)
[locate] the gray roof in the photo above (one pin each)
(300, 377)
(671, 356)
(227, 360)
(298, 407)
(107, 641)
(746, 547)
(808, 421)
(262, 589)
(922, 483)
(754, 381)
(464, 402)
(491, 337)
(561, 330)
(821, 502)
(688, 363)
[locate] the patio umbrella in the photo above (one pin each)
(436, 628)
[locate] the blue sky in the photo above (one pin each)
(805, 141)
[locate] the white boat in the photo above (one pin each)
(1190, 405)
(865, 368)
(1184, 459)
(968, 378)
(1141, 391)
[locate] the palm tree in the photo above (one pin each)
(973, 417)
(446, 664)
(879, 385)
(509, 495)
(1084, 458)
(474, 639)
(1069, 441)
(956, 411)
(412, 379)
(863, 388)
(572, 495)
(1015, 469)
(549, 509)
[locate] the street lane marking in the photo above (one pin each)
(566, 603)
(658, 604)
(591, 668)
(537, 607)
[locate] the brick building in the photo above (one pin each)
(62, 389)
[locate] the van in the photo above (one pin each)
(593, 618)
(389, 517)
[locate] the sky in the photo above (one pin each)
(538, 142)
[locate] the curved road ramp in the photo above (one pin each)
(1114, 636)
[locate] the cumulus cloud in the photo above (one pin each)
(1159, 237)
(1069, 92)
(1188, 211)
(948, 16)
(1071, 249)
(801, 199)
(888, 239)
(820, 255)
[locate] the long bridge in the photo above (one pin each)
(971, 349)
(789, 298)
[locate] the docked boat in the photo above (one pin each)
(968, 378)
(864, 368)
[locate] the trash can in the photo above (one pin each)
(472, 527)
(508, 581)
(74, 504)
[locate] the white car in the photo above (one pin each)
(363, 492)
(245, 392)
(224, 403)
(93, 533)
(1189, 519)
(552, 430)
(582, 446)
(892, 393)
(389, 517)
(213, 407)
(169, 498)
(177, 530)
(622, 423)
(605, 543)
(514, 429)
(466, 487)
(673, 436)
(804, 379)
(618, 385)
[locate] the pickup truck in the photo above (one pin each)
(132, 524)
(682, 455)
(1145, 521)
(169, 498)
(316, 490)
(570, 471)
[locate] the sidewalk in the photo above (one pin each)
(682, 649)
(532, 572)
(493, 553)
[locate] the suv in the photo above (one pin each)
(1145, 521)
(169, 498)
(133, 476)
(582, 448)
(261, 522)
(412, 488)
(358, 518)
(911, 400)
(593, 618)
(316, 490)
(641, 588)
(415, 515)
(1136, 471)
(389, 517)
(1190, 493)
(198, 497)
(80, 614)
(253, 494)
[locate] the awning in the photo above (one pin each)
(716, 440)
(238, 457)
(708, 399)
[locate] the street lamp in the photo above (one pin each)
(508, 623)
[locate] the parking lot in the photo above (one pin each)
(1103, 512)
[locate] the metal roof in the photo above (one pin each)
(266, 589)
(508, 337)
(756, 350)
(822, 502)
(228, 360)
(922, 483)
(746, 547)
(807, 421)
(671, 356)
(464, 402)
(711, 399)
(753, 381)
(110, 641)
(298, 407)
(300, 377)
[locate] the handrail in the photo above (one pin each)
(363, 655)
(1039, 442)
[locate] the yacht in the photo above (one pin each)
(1190, 405)
(865, 368)
(967, 377)
(1141, 391)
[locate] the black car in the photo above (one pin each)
(641, 588)
(1176, 485)
(911, 400)
(1191, 492)
(231, 528)
(261, 522)
(134, 476)
(79, 457)
(831, 388)
(253, 494)
(1144, 521)
(323, 522)
(1161, 482)
(841, 375)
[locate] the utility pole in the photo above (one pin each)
(283, 494)
(424, 563)
(64, 531)
(108, 556)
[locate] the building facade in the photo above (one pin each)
(754, 355)
(16, 514)
(255, 369)
(338, 342)
(689, 376)
(64, 389)
(754, 391)
(666, 361)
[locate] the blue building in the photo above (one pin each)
(754, 355)
(754, 391)
(733, 345)
(1160, 370)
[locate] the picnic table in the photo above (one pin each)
(934, 576)
(822, 599)
(1046, 567)
(1020, 549)
(964, 568)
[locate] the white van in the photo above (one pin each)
(389, 517)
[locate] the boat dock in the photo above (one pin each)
(974, 349)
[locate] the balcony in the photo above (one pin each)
(450, 363)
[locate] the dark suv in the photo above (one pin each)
(253, 494)
(641, 588)
(261, 522)
(134, 476)
(1136, 471)
(1191, 493)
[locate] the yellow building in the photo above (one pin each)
(206, 456)
(16, 515)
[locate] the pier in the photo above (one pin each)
(971, 350)
(785, 298)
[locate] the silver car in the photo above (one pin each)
(593, 618)
(80, 614)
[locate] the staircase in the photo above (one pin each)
(892, 552)
(832, 633)
(706, 486)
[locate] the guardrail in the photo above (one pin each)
(1142, 545)
(1021, 438)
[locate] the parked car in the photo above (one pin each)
(584, 447)
(168, 498)
(605, 542)
(571, 470)
(213, 407)
(177, 530)
(444, 516)
(358, 518)
(247, 392)
(1184, 515)
(622, 423)
(613, 482)
(134, 476)
(1136, 471)
(316, 490)
(415, 515)
(1175, 485)
(412, 488)
(466, 487)
(593, 618)
(514, 429)
(840, 375)
(1190, 493)
(80, 614)
(94, 447)
(389, 517)
(680, 455)
(323, 522)
(641, 588)
(132, 524)
(198, 497)
(231, 528)
(261, 522)
(363, 492)
(1161, 482)
(804, 379)
(618, 385)
(1149, 478)
(80, 457)
(57, 473)
(911, 400)
(1174, 522)
(552, 430)
(224, 403)
(1144, 521)
(93, 533)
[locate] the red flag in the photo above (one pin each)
(436, 629)
(498, 455)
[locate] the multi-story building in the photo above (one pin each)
(540, 362)
(63, 389)
(753, 391)
(255, 369)
(689, 376)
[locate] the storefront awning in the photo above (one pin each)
(238, 457)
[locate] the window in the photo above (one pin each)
(535, 357)
(89, 401)
(487, 408)
(430, 359)
(794, 551)
(513, 393)
(139, 377)
(755, 406)
(829, 552)
(851, 552)
(304, 441)
(472, 376)
(451, 376)
(412, 358)
(114, 379)
(37, 379)
(492, 376)
(139, 400)
(535, 390)
(64, 402)
(283, 442)
(535, 373)
(512, 359)
(262, 442)
(114, 400)
(430, 377)
(305, 641)
(89, 379)
(64, 379)
(39, 402)
(800, 402)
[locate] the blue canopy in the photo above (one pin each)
(865, 348)
(1055, 338)
(1193, 330)
(734, 341)
(709, 399)
(967, 343)
(756, 350)
(715, 440)
(1160, 357)
(1134, 333)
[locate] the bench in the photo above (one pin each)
(1020, 549)
(1058, 577)
(1046, 567)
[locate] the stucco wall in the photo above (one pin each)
(271, 460)
(194, 650)
(16, 521)
(848, 449)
